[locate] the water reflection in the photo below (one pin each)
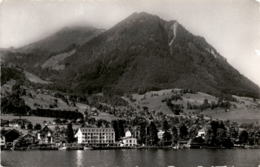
(133, 158)
(79, 158)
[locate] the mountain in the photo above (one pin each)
(144, 52)
(45, 55)
(62, 39)
(141, 53)
(11, 73)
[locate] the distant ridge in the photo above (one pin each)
(61, 40)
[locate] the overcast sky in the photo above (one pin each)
(231, 26)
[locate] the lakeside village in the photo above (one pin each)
(177, 133)
(127, 126)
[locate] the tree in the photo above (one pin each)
(243, 137)
(221, 137)
(70, 133)
(152, 134)
(92, 121)
(165, 125)
(252, 137)
(193, 131)
(14, 104)
(174, 135)
(183, 131)
(233, 130)
(22, 126)
(228, 143)
(119, 129)
(86, 115)
(175, 108)
(116, 129)
(102, 123)
(143, 133)
(205, 105)
(30, 126)
(212, 133)
(57, 121)
(167, 138)
(217, 135)
(11, 135)
(166, 135)
(37, 127)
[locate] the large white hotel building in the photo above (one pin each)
(95, 136)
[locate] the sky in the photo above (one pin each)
(230, 26)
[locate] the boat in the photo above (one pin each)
(177, 146)
(62, 148)
(87, 148)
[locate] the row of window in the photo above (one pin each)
(99, 134)
(97, 137)
(130, 144)
(130, 141)
(97, 130)
(98, 141)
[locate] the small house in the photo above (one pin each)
(201, 133)
(45, 136)
(160, 134)
(25, 140)
(2, 141)
(128, 140)
(11, 135)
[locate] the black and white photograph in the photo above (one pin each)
(130, 83)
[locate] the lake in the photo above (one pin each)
(133, 158)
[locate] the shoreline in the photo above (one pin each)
(123, 148)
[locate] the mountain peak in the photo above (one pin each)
(141, 17)
(143, 14)
(144, 52)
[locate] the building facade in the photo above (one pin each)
(24, 141)
(160, 134)
(45, 136)
(2, 141)
(95, 136)
(201, 133)
(128, 140)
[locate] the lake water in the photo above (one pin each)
(133, 158)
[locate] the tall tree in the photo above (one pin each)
(70, 133)
(174, 135)
(30, 126)
(221, 137)
(37, 127)
(143, 133)
(165, 125)
(233, 130)
(167, 138)
(152, 134)
(212, 133)
(166, 135)
(119, 128)
(115, 127)
(243, 137)
(183, 131)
